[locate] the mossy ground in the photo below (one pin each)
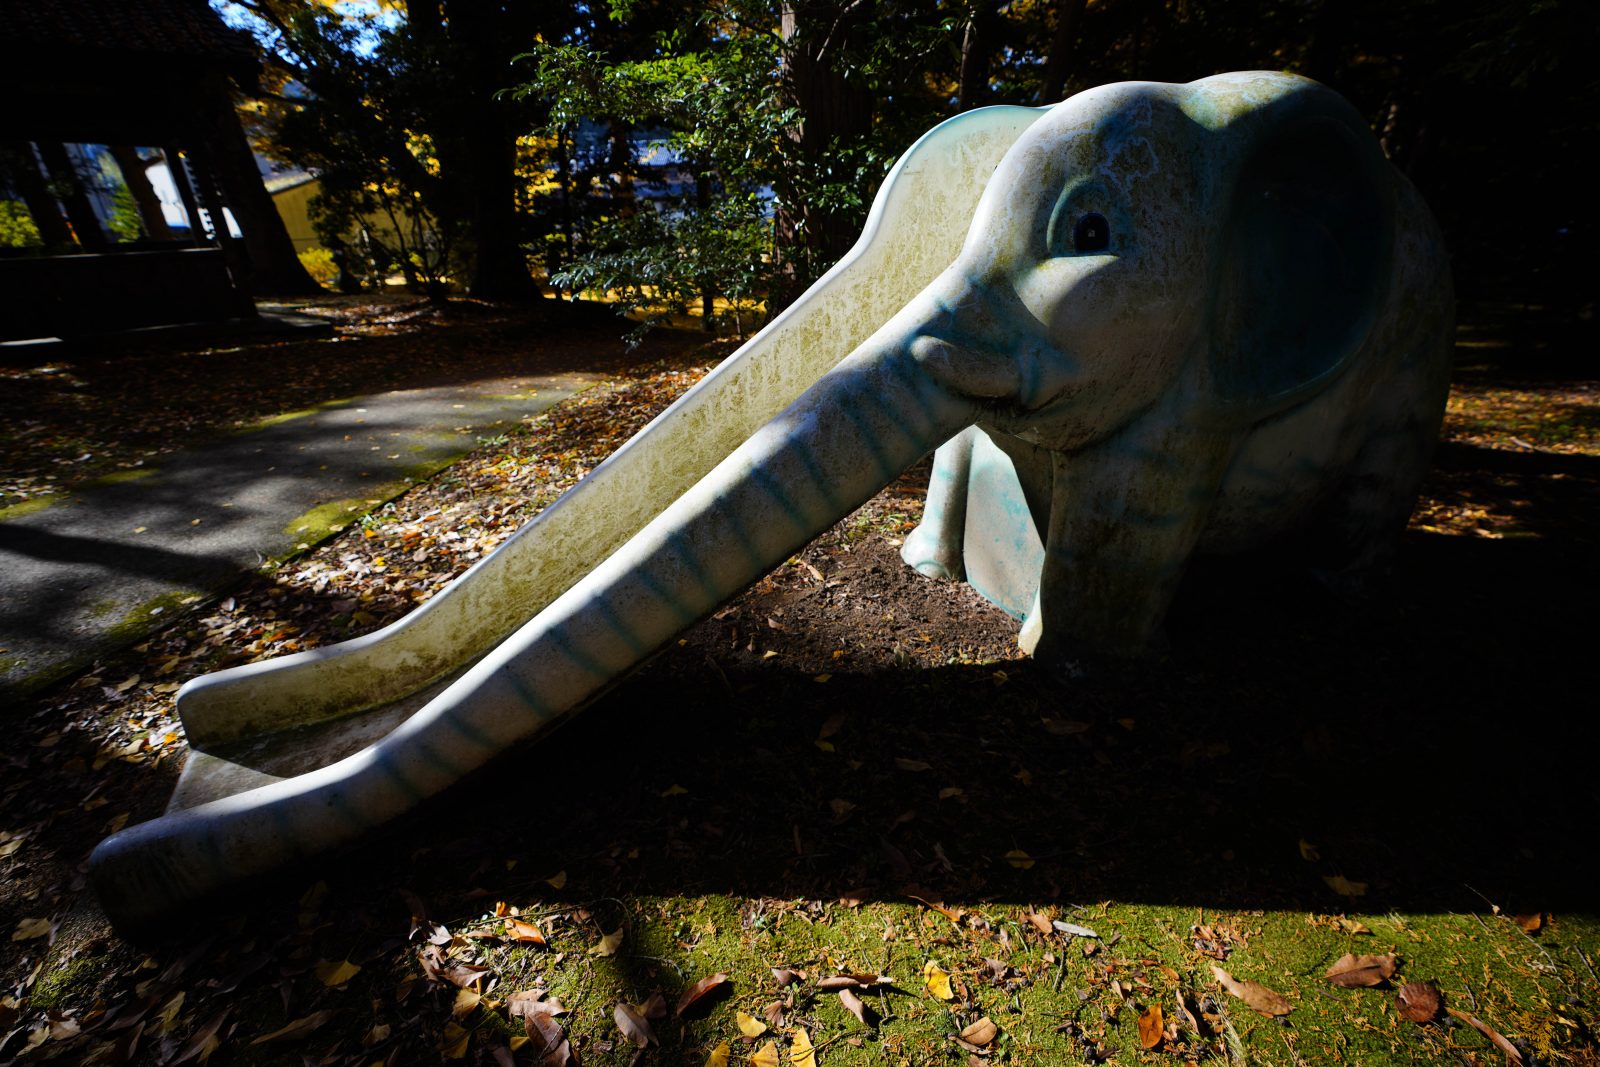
(850, 769)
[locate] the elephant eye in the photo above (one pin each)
(1091, 234)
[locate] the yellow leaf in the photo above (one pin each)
(802, 1054)
(608, 945)
(557, 880)
(766, 1057)
(455, 1042)
(950, 791)
(1019, 859)
(1345, 887)
(333, 974)
(938, 981)
(749, 1025)
(28, 929)
(674, 791)
(719, 1056)
(1308, 851)
(466, 1000)
(911, 765)
(530, 933)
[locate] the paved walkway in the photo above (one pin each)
(106, 566)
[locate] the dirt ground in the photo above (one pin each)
(847, 745)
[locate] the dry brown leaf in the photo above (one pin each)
(1344, 886)
(28, 929)
(1040, 923)
(1185, 1016)
(1351, 971)
(203, 1042)
(1418, 1001)
(526, 932)
(854, 1005)
(1530, 924)
(1512, 1055)
(981, 1032)
(654, 1008)
(1257, 996)
(554, 1048)
(299, 1028)
(836, 982)
(634, 1026)
(785, 976)
(1151, 1025)
(766, 1056)
(693, 994)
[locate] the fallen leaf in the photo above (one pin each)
(1073, 928)
(784, 976)
(1019, 859)
(849, 981)
(1352, 927)
(1512, 1055)
(912, 765)
(802, 1054)
(526, 932)
(1351, 971)
(333, 974)
(1344, 886)
(699, 989)
(1255, 995)
(299, 1028)
(1418, 1001)
(654, 1008)
(1039, 922)
(854, 1005)
(719, 1056)
(981, 1032)
(456, 1039)
(466, 1001)
(674, 790)
(749, 1025)
(1065, 727)
(554, 1047)
(1185, 1016)
(634, 1026)
(1530, 924)
(766, 1056)
(1151, 1025)
(608, 945)
(557, 880)
(203, 1042)
(937, 980)
(28, 929)
(1308, 851)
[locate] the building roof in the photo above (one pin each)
(188, 28)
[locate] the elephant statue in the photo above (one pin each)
(1184, 317)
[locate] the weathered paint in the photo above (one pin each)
(1094, 375)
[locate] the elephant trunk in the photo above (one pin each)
(860, 426)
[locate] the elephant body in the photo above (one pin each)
(1318, 421)
(1184, 316)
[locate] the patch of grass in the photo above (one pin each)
(29, 506)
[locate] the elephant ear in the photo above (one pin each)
(1308, 232)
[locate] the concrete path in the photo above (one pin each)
(103, 567)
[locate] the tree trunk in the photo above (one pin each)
(500, 267)
(1069, 14)
(977, 45)
(144, 194)
(833, 109)
(275, 267)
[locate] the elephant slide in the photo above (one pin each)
(1184, 317)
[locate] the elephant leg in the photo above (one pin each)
(934, 547)
(1125, 517)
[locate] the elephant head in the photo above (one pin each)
(1115, 316)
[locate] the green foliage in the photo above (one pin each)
(124, 221)
(16, 226)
